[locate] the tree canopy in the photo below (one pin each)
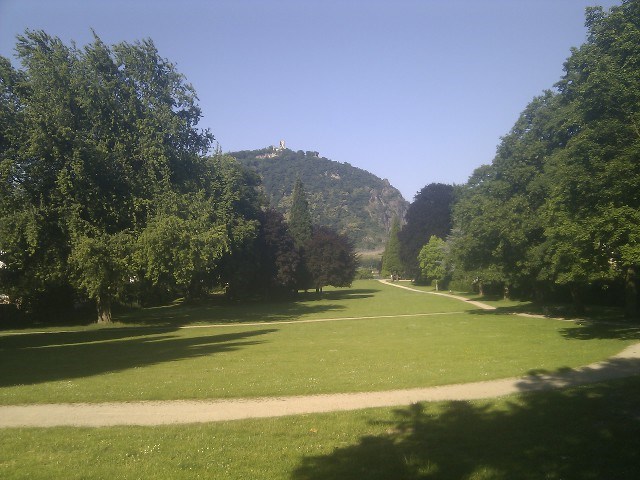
(330, 258)
(559, 204)
(429, 214)
(109, 190)
(391, 262)
(105, 180)
(432, 259)
(299, 216)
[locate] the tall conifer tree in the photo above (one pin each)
(299, 218)
(391, 263)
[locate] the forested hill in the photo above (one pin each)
(349, 199)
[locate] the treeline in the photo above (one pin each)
(109, 192)
(558, 210)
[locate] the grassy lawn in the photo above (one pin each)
(598, 313)
(589, 432)
(365, 298)
(408, 339)
(453, 344)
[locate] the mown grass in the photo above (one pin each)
(592, 312)
(582, 433)
(366, 298)
(589, 432)
(255, 358)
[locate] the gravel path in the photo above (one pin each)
(626, 363)
(481, 305)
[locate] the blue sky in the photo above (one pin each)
(415, 91)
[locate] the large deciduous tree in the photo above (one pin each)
(559, 204)
(429, 214)
(330, 258)
(280, 259)
(498, 226)
(33, 245)
(104, 173)
(432, 260)
(594, 224)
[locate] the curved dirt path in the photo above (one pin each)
(481, 305)
(626, 363)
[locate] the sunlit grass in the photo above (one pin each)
(263, 350)
(380, 352)
(365, 298)
(582, 433)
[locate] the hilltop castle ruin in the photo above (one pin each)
(275, 151)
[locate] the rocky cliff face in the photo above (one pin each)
(385, 204)
(349, 199)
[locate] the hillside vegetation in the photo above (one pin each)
(348, 199)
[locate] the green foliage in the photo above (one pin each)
(174, 247)
(498, 221)
(429, 214)
(391, 262)
(350, 200)
(299, 217)
(276, 261)
(596, 176)
(104, 179)
(330, 258)
(194, 241)
(432, 258)
(101, 266)
(559, 204)
(363, 273)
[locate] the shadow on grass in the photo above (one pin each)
(566, 377)
(342, 294)
(583, 433)
(34, 358)
(595, 313)
(220, 310)
(597, 328)
(529, 308)
(31, 358)
(592, 331)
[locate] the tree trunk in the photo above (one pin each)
(480, 289)
(631, 292)
(103, 306)
(505, 292)
(576, 296)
